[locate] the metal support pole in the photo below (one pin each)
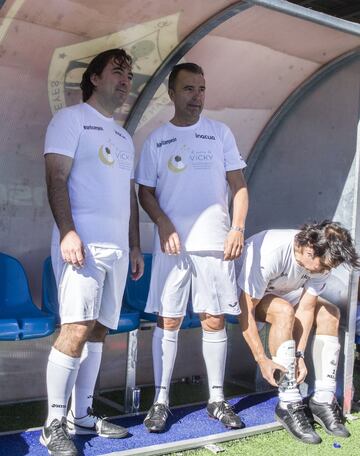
(130, 380)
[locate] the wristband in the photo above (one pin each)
(300, 354)
(237, 228)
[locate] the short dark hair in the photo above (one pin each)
(191, 67)
(330, 241)
(97, 65)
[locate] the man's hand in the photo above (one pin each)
(136, 263)
(169, 239)
(301, 370)
(233, 245)
(268, 367)
(72, 249)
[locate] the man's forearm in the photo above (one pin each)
(240, 202)
(252, 338)
(150, 205)
(59, 201)
(249, 327)
(134, 231)
(240, 207)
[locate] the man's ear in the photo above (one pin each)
(171, 94)
(94, 79)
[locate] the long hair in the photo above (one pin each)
(97, 65)
(331, 242)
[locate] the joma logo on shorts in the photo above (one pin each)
(58, 406)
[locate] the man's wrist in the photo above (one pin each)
(260, 358)
(238, 228)
(158, 219)
(300, 354)
(134, 247)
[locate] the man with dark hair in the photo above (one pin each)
(282, 274)
(184, 171)
(89, 174)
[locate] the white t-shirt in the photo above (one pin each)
(187, 166)
(99, 181)
(268, 266)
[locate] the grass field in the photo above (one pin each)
(277, 443)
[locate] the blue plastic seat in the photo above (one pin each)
(136, 293)
(19, 316)
(129, 318)
(233, 319)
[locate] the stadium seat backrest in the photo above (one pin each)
(14, 287)
(49, 290)
(136, 292)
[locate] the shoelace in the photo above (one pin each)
(61, 436)
(336, 413)
(95, 415)
(300, 416)
(226, 408)
(158, 410)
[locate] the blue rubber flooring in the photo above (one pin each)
(184, 423)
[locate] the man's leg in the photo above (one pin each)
(325, 352)
(63, 366)
(290, 409)
(164, 350)
(62, 370)
(111, 272)
(214, 345)
(83, 391)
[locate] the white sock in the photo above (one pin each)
(164, 349)
(214, 346)
(83, 391)
(60, 378)
(288, 388)
(325, 352)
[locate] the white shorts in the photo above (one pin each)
(95, 291)
(211, 279)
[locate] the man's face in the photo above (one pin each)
(312, 263)
(188, 96)
(113, 85)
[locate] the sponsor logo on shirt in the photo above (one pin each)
(202, 159)
(201, 156)
(176, 164)
(109, 154)
(93, 127)
(305, 276)
(120, 134)
(197, 135)
(165, 142)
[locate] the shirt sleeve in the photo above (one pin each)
(63, 133)
(232, 156)
(316, 285)
(256, 271)
(146, 170)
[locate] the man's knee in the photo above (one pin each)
(282, 314)
(171, 324)
(98, 333)
(73, 336)
(212, 322)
